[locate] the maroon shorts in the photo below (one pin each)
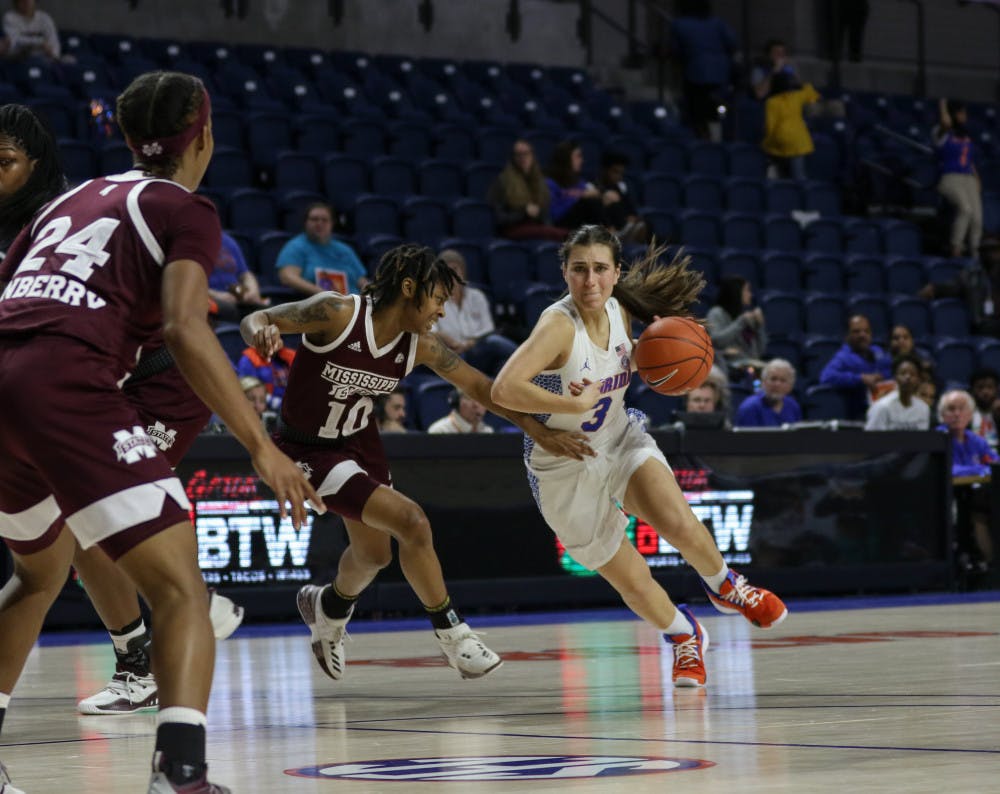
(345, 475)
(171, 413)
(72, 444)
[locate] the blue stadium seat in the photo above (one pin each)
(742, 230)
(363, 137)
(747, 161)
(662, 223)
(393, 176)
(473, 219)
(251, 210)
(822, 197)
(372, 249)
(823, 272)
(292, 207)
(704, 260)
(232, 342)
(904, 276)
(956, 359)
(78, 160)
(409, 139)
(950, 317)
(316, 133)
(787, 348)
(912, 312)
(862, 237)
(510, 269)
(864, 274)
(824, 314)
(700, 228)
(454, 142)
(781, 233)
(543, 142)
(657, 407)
(824, 163)
(744, 264)
(782, 270)
(227, 128)
(901, 238)
(375, 215)
(345, 177)
(548, 265)
(536, 299)
(425, 220)
(703, 193)
(632, 147)
(475, 258)
(297, 171)
(269, 245)
(823, 403)
(873, 307)
(114, 158)
(708, 159)
(783, 196)
(816, 353)
(229, 168)
(669, 157)
(988, 349)
(745, 195)
(940, 271)
(478, 178)
(440, 179)
(495, 143)
(266, 135)
(824, 235)
(661, 191)
(783, 312)
(430, 402)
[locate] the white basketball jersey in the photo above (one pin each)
(605, 422)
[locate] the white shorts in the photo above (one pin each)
(581, 500)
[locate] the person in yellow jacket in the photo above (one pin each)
(786, 138)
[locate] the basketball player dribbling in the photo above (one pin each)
(573, 371)
(100, 271)
(355, 348)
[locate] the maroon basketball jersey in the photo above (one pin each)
(91, 263)
(331, 388)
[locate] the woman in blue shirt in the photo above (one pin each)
(959, 182)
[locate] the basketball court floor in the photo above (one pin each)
(846, 695)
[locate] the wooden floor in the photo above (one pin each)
(844, 696)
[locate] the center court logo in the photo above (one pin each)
(501, 767)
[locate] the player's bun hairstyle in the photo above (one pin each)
(409, 260)
(29, 134)
(159, 105)
(648, 287)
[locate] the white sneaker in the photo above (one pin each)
(465, 652)
(327, 634)
(126, 693)
(225, 615)
(6, 787)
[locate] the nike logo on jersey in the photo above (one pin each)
(661, 381)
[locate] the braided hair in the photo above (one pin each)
(29, 134)
(647, 287)
(417, 262)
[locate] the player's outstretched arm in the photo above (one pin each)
(204, 364)
(433, 352)
(323, 317)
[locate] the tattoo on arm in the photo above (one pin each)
(442, 358)
(308, 311)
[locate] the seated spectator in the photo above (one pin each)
(786, 137)
(858, 367)
(959, 183)
(390, 411)
(738, 331)
(314, 262)
(575, 201)
(520, 199)
(626, 221)
(971, 457)
(703, 400)
(773, 406)
(467, 326)
(901, 344)
(256, 393)
(983, 385)
(273, 374)
(901, 409)
(231, 286)
(29, 33)
(466, 416)
(927, 391)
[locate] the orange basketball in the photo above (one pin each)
(674, 355)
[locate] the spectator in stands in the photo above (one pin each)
(314, 262)
(971, 457)
(273, 374)
(256, 393)
(467, 326)
(901, 344)
(901, 409)
(703, 400)
(737, 329)
(927, 391)
(959, 182)
(983, 384)
(858, 367)
(776, 61)
(232, 287)
(773, 406)
(390, 411)
(703, 46)
(786, 137)
(627, 223)
(466, 416)
(520, 198)
(575, 201)
(978, 285)
(29, 33)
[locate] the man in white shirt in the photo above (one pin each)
(467, 326)
(29, 32)
(466, 416)
(900, 409)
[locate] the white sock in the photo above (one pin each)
(4, 700)
(121, 640)
(715, 582)
(679, 625)
(181, 714)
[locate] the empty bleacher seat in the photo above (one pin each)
(816, 353)
(252, 209)
(744, 264)
(823, 272)
(440, 179)
(824, 403)
(700, 228)
(430, 402)
(783, 312)
(472, 218)
(781, 233)
(425, 220)
(661, 191)
(393, 176)
(510, 269)
(472, 252)
(904, 276)
(478, 178)
(873, 307)
(745, 195)
(742, 230)
(950, 317)
(824, 235)
(912, 312)
(703, 193)
(229, 168)
(865, 274)
(824, 314)
(345, 177)
(375, 215)
(297, 171)
(956, 359)
(783, 195)
(782, 270)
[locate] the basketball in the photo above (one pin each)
(674, 355)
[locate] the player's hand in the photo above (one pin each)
(267, 341)
(585, 393)
(288, 482)
(565, 443)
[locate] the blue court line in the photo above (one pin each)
(581, 616)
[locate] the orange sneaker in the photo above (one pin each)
(689, 653)
(761, 607)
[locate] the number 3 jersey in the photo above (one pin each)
(90, 265)
(606, 420)
(332, 388)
